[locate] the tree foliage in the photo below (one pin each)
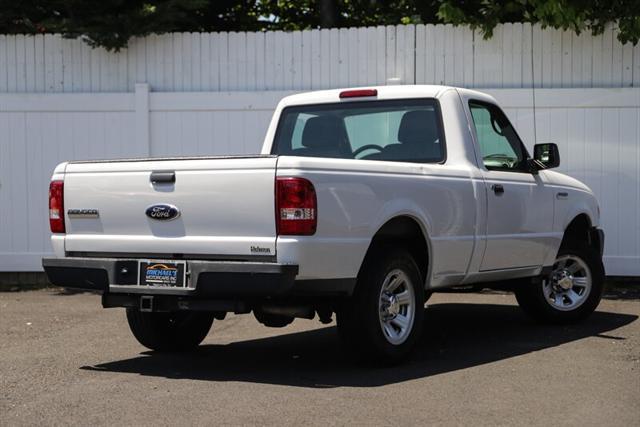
(574, 15)
(111, 23)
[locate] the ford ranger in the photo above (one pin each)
(362, 203)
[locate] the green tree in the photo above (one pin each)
(574, 15)
(111, 23)
(303, 14)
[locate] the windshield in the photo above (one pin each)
(398, 130)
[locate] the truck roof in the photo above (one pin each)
(383, 92)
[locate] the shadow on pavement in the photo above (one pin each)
(622, 289)
(456, 336)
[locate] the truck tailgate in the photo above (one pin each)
(226, 207)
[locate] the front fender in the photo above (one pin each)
(570, 203)
(580, 204)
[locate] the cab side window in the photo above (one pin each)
(499, 143)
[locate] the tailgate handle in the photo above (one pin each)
(163, 177)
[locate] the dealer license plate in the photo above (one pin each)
(162, 273)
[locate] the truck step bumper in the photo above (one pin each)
(218, 279)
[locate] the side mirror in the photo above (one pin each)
(546, 156)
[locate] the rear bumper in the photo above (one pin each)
(207, 279)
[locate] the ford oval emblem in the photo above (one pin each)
(163, 212)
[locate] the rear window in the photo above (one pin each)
(398, 130)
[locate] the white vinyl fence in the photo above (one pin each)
(190, 94)
(518, 56)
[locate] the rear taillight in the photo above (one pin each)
(296, 206)
(56, 206)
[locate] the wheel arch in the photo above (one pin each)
(580, 230)
(409, 232)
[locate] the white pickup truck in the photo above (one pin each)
(362, 203)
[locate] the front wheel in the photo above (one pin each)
(571, 292)
(383, 319)
(174, 331)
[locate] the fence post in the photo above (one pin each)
(142, 117)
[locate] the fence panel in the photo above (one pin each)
(518, 56)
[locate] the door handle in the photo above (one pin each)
(497, 188)
(562, 195)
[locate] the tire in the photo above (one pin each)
(366, 322)
(272, 320)
(174, 331)
(551, 301)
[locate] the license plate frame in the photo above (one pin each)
(162, 273)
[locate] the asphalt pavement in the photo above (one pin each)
(66, 361)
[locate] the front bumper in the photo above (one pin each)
(219, 279)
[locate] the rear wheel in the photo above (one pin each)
(571, 292)
(383, 319)
(173, 331)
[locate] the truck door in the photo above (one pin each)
(519, 205)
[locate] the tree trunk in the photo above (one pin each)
(328, 13)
